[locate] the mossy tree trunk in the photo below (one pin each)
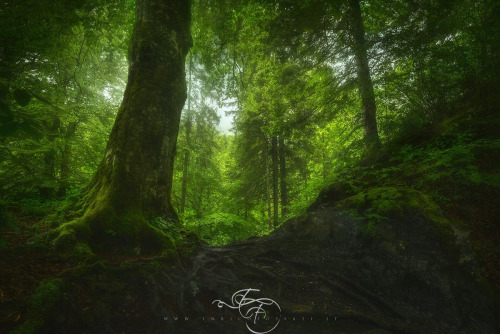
(371, 138)
(134, 180)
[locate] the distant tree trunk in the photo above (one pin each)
(274, 158)
(134, 180)
(323, 157)
(189, 123)
(185, 166)
(246, 208)
(283, 188)
(268, 186)
(65, 159)
(371, 138)
(305, 176)
(47, 189)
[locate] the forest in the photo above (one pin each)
(236, 166)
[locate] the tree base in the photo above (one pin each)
(104, 231)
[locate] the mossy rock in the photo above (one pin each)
(391, 202)
(379, 208)
(46, 296)
(332, 194)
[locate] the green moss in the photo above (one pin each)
(82, 252)
(91, 270)
(68, 235)
(392, 202)
(110, 222)
(377, 206)
(102, 229)
(47, 294)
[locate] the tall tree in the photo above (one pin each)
(274, 159)
(187, 152)
(134, 179)
(371, 138)
(283, 188)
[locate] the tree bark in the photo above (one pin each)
(371, 138)
(137, 168)
(47, 189)
(65, 159)
(283, 186)
(134, 180)
(268, 185)
(187, 152)
(274, 159)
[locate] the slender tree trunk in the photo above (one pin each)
(268, 186)
(323, 157)
(65, 159)
(371, 138)
(305, 178)
(283, 186)
(185, 166)
(134, 180)
(274, 158)
(188, 141)
(47, 189)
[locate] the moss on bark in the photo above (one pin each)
(134, 180)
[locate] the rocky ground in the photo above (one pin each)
(323, 272)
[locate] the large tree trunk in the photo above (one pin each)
(134, 180)
(274, 161)
(283, 189)
(371, 139)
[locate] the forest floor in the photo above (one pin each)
(303, 284)
(22, 268)
(316, 284)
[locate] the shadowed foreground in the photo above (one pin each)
(324, 270)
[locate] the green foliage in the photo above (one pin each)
(224, 228)
(377, 204)
(62, 73)
(282, 70)
(170, 228)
